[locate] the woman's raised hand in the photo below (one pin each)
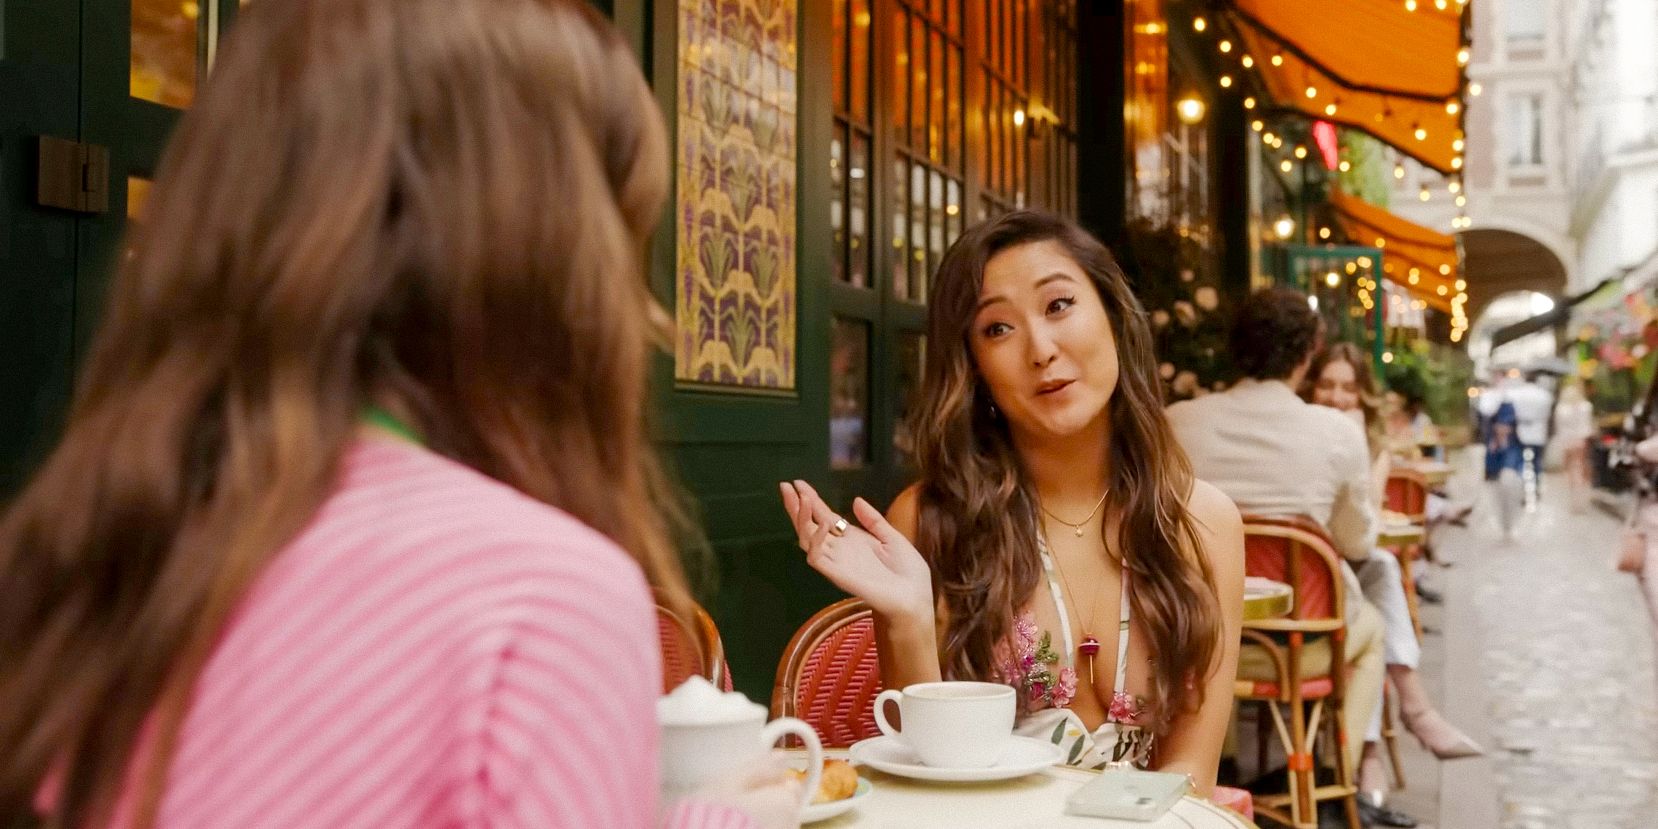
(874, 562)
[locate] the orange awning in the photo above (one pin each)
(1421, 260)
(1370, 65)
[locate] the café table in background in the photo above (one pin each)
(1266, 599)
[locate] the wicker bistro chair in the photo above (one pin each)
(830, 674)
(690, 647)
(1407, 494)
(1297, 672)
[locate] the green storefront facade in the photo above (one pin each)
(827, 151)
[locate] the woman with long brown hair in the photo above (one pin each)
(354, 516)
(1054, 509)
(1340, 377)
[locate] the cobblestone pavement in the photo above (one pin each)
(1564, 649)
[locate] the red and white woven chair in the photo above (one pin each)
(830, 674)
(690, 647)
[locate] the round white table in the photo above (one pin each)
(1036, 800)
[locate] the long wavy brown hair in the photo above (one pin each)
(438, 206)
(1370, 399)
(977, 522)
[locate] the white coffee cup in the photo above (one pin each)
(952, 724)
(708, 734)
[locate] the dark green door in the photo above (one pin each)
(142, 64)
(110, 75)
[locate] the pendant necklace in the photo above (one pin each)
(1090, 645)
(1078, 527)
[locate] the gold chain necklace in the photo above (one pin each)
(1078, 526)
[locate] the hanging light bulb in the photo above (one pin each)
(1455, 186)
(1286, 166)
(1475, 89)
(1226, 47)
(1399, 171)
(1442, 290)
(1346, 166)
(1462, 200)
(1440, 4)
(1452, 107)
(1312, 92)
(1199, 24)
(1457, 145)
(1421, 134)
(1256, 125)
(1330, 109)
(1424, 196)
(1410, 5)
(1226, 81)
(1284, 226)
(1444, 270)
(1323, 233)
(1189, 108)
(1462, 56)
(1461, 285)
(1300, 151)
(1332, 279)
(1249, 103)
(1248, 61)
(1456, 163)
(1266, 138)
(1277, 60)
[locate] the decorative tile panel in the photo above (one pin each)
(735, 218)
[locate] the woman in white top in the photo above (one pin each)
(1574, 425)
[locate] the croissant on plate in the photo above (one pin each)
(838, 782)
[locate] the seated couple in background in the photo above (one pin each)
(1276, 454)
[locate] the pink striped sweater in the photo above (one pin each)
(434, 650)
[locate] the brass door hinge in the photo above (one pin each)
(73, 175)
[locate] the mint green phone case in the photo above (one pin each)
(1128, 794)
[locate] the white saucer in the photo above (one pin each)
(823, 811)
(1024, 756)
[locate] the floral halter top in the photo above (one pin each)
(1046, 680)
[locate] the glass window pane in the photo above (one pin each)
(860, 60)
(935, 96)
(918, 233)
(918, 85)
(989, 171)
(912, 360)
(163, 63)
(953, 211)
(952, 109)
(1020, 148)
(837, 52)
(900, 225)
(138, 193)
(858, 213)
(849, 394)
(901, 67)
(837, 201)
(935, 221)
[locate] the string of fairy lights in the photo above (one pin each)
(1232, 50)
